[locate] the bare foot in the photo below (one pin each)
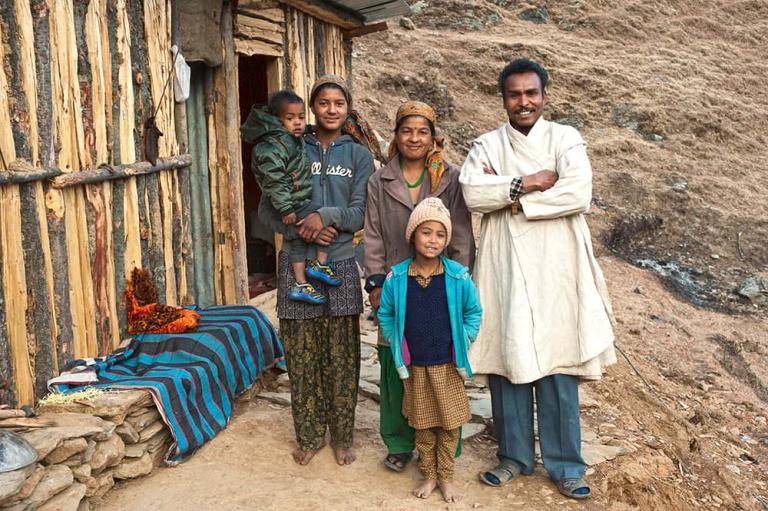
(345, 456)
(302, 457)
(425, 489)
(449, 491)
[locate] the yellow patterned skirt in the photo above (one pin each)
(435, 397)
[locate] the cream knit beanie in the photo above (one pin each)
(430, 208)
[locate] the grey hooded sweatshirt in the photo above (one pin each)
(339, 185)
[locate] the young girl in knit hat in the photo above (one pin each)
(430, 312)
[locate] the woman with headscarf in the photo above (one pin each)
(322, 342)
(416, 170)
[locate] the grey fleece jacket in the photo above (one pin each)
(339, 185)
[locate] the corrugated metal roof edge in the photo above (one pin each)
(373, 12)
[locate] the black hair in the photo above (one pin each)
(431, 124)
(315, 92)
(518, 66)
(281, 98)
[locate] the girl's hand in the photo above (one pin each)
(375, 297)
(310, 227)
(289, 219)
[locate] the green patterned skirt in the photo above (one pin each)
(323, 356)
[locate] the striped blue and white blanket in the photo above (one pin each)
(193, 377)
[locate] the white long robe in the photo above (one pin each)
(545, 302)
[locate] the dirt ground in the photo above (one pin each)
(670, 98)
(698, 441)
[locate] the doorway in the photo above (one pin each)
(260, 241)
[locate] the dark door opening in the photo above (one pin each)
(259, 239)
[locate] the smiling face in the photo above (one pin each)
(414, 138)
(430, 239)
(293, 119)
(330, 108)
(524, 100)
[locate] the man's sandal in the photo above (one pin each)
(574, 488)
(501, 475)
(398, 462)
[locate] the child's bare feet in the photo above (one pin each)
(425, 489)
(303, 457)
(345, 456)
(449, 491)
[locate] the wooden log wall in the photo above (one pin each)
(78, 80)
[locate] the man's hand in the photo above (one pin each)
(327, 236)
(375, 297)
(540, 181)
(289, 219)
(310, 227)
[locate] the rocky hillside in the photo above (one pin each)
(670, 96)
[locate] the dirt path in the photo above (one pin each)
(703, 446)
(249, 466)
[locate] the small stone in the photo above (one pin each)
(68, 500)
(367, 351)
(537, 15)
(481, 409)
(594, 454)
(56, 479)
(419, 6)
(133, 468)
(74, 461)
(13, 482)
(140, 422)
(369, 390)
(127, 432)
(280, 398)
(471, 429)
(432, 57)
(45, 440)
(714, 256)
(67, 449)
(733, 468)
(407, 23)
(112, 405)
(680, 186)
(639, 290)
(753, 287)
(82, 420)
(82, 473)
(89, 451)
(136, 450)
(371, 373)
(151, 431)
(160, 439)
(108, 454)
(98, 486)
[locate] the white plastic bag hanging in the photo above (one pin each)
(182, 75)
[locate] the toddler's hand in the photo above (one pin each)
(289, 219)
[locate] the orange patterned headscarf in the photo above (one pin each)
(434, 161)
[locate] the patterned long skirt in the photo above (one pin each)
(323, 356)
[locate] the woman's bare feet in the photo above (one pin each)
(425, 489)
(449, 491)
(303, 457)
(345, 456)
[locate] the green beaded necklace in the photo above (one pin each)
(418, 181)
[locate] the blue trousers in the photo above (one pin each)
(557, 406)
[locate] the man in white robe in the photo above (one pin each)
(547, 320)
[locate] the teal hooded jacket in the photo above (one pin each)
(463, 308)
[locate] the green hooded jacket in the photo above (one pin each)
(278, 161)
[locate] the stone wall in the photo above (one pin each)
(83, 449)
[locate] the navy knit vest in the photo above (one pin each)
(428, 323)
